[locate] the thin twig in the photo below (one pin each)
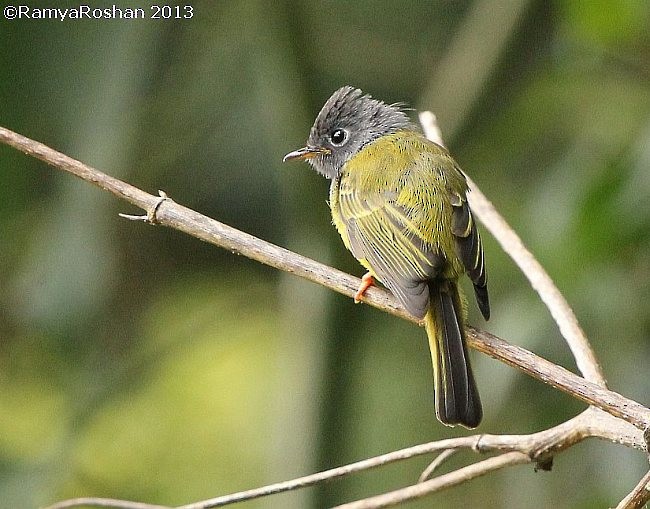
(338, 472)
(104, 502)
(440, 459)
(439, 483)
(512, 244)
(537, 447)
(488, 442)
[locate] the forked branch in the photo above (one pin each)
(622, 420)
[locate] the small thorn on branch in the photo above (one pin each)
(150, 216)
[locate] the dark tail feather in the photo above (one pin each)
(457, 398)
(483, 300)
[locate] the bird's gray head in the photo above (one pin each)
(347, 122)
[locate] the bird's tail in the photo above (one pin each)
(457, 399)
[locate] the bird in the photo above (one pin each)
(399, 202)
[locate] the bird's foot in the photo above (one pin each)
(366, 282)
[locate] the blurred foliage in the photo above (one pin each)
(139, 363)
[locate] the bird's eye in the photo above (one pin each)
(339, 137)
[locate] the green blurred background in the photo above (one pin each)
(140, 363)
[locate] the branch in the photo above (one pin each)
(444, 481)
(538, 277)
(113, 503)
(512, 449)
(169, 213)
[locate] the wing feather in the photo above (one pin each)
(470, 251)
(381, 232)
(397, 220)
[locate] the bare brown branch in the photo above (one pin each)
(560, 378)
(512, 244)
(454, 478)
(170, 213)
(104, 502)
(620, 420)
(535, 447)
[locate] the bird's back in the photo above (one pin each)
(410, 175)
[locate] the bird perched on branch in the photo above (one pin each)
(399, 202)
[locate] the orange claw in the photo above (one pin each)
(366, 282)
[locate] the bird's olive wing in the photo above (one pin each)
(381, 232)
(470, 250)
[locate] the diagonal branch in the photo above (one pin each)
(169, 213)
(438, 483)
(621, 424)
(541, 282)
(513, 449)
(539, 279)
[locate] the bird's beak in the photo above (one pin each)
(305, 153)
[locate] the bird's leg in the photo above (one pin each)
(366, 282)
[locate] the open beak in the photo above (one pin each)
(305, 153)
